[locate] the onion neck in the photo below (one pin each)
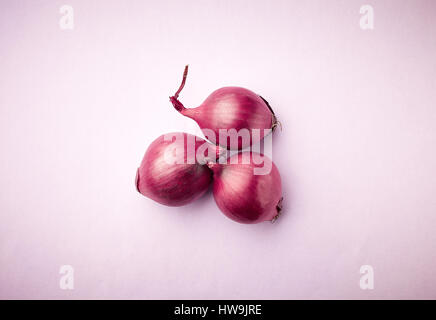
(177, 104)
(175, 99)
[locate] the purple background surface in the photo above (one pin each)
(78, 109)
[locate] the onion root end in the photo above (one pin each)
(279, 210)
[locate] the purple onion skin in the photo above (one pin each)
(243, 196)
(232, 108)
(229, 109)
(172, 184)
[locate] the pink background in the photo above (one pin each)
(78, 109)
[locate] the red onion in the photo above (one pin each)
(173, 172)
(248, 188)
(228, 114)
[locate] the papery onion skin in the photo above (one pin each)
(243, 196)
(230, 108)
(172, 184)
